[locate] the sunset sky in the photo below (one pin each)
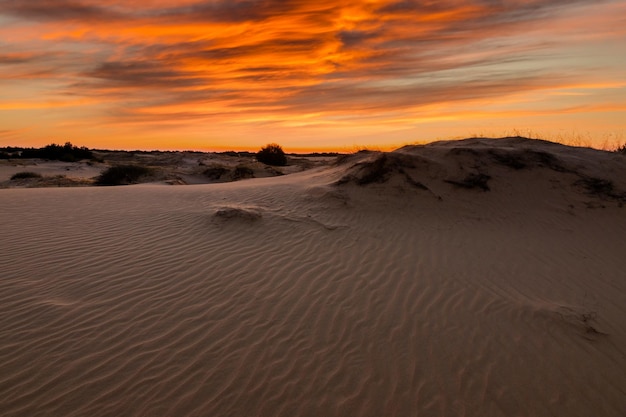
(309, 74)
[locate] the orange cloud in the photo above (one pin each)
(303, 63)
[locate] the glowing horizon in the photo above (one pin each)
(311, 75)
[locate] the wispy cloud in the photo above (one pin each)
(11, 133)
(17, 58)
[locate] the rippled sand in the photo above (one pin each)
(367, 288)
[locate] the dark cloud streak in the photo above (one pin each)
(140, 75)
(8, 59)
(58, 10)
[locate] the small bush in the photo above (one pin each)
(381, 169)
(242, 172)
(473, 181)
(510, 159)
(375, 171)
(214, 173)
(122, 175)
(599, 187)
(272, 154)
(25, 175)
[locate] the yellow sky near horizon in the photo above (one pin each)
(310, 75)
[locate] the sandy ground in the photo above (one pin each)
(174, 168)
(470, 278)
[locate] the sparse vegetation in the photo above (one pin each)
(527, 158)
(122, 175)
(546, 160)
(349, 157)
(240, 154)
(375, 171)
(273, 171)
(215, 172)
(25, 175)
(272, 154)
(222, 173)
(381, 169)
(621, 149)
(604, 189)
(242, 172)
(598, 186)
(33, 179)
(509, 159)
(66, 153)
(473, 181)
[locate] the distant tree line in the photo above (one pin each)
(271, 154)
(66, 153)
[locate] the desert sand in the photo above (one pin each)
(468, 278)
(174, 168)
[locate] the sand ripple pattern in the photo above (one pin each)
(143, 301)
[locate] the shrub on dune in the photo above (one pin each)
(122, 175)
(472, 181)
(272, 154)
(242, 172)
(215, 172)
(25, 175)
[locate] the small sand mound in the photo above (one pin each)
(237, 213)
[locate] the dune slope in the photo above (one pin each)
(471, 278)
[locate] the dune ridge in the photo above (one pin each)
(319, 293)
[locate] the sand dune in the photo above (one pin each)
(477, 278)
